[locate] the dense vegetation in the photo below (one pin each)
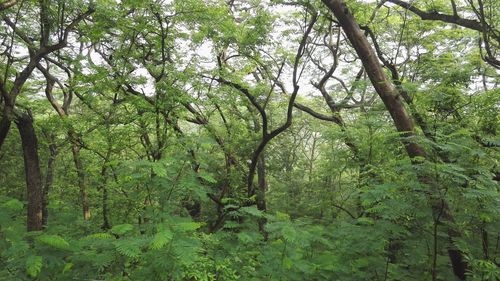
(249, 140)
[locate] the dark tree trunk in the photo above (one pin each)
(105, 210)
(5, 125)
(81, 181)
(32, 171)
(404, 124)
(49, 178)
(261, 192)
(382, 85)
(104, 189)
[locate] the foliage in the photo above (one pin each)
(168, 102)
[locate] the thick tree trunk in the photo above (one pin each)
(49, 179)
(5, 124)
(81, 181)
(32, 171)
(382, 85)
(401, 118)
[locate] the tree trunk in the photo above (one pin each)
(401, 118)
(5, 124)
(32, 171)
(104, 188)
(105, 210)
(261, 192)
(49, 178)
(374, 70)
(105, 216)
(81, 181)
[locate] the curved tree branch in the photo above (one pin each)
(7, 4)
(471, 24)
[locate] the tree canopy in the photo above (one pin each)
(249, 140)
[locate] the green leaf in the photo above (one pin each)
(13, 205)
(252, 210)
(161, 239)
(129, 247)
(289, 233)
(187, 226)
(282, 216)
(67, 267)
(159, 169)
(287, 263)
(99, 235)
(121, 229)
(208, 177)
(54, 241)
(248, 237)
(365, 221)
(34, 265)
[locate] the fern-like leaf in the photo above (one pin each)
(130, 247)
(121, 229)
(34, 265)
(99, 235)
(13, 205)
(187, 226)
(161, 239)
(54, 241)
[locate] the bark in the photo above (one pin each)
(317, 115)
(400, 117)
(312, 158)
(261, 193)
(433, 15)
(49, 179)
(32, 171)
(81, 181)
(105, 207)
(266, 135)
(382, 85)
(103, 186)
(488, 31)
(396, 80)
(7, 116)
(4, 129)
(35, 57)
(7, 4)
(62, 111)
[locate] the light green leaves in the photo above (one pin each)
(159, 169)
(187, 226)
(161, 238)
(121, 229)
(289, 233)
(252, 211)
(208, 177)
(249, 237)
(34, 265)
(67, 267)
(129, 247)
(54, 241)
(99, 235)
(13, 205)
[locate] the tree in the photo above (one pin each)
(249, 140)
(11, 90)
